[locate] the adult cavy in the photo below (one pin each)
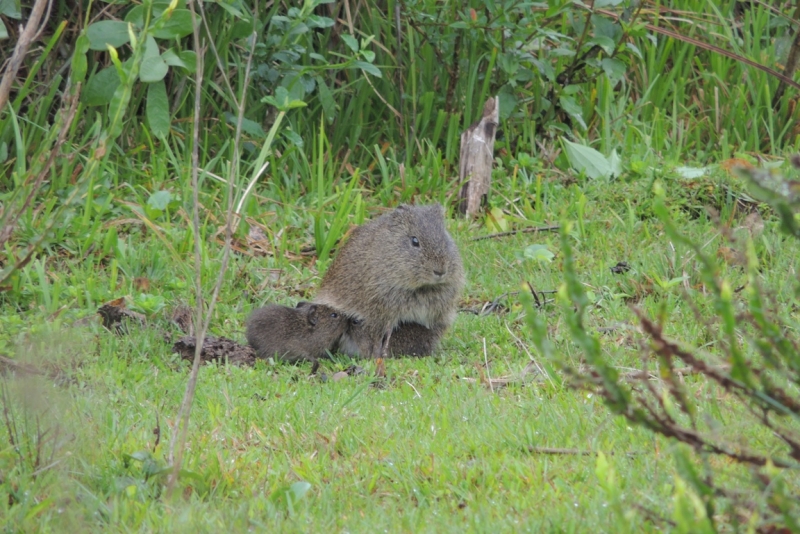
(303, 333)
(400, 267)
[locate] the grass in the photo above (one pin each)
(430, 452)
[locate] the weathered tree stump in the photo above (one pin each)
(476, 159)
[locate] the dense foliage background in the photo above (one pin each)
(623, 117)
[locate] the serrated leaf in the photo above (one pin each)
(350, 41)
(586, 159)
(100, 88)
(614, 69)
(604, 27)
(107, 32)
(368, 68)
(295, 87)
(232, 10)
(604, 42)
(158, 117)
(545, 68)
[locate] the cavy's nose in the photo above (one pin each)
(439, 273)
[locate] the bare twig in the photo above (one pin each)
(27, 36)
(572, 452)
(535, 229)
(486, 363)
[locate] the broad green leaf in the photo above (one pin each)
(326, 99)
(159, 200)
(574, 110)
(606, 43)
(100, 88)
(539, 253)
(107, 32)
(189, 58)
(614, 69)
(3, 31)
(282, 101)
(295, 87)
(79, 62)
(153, 68)
(605, 27)
(496, 220)
(615, 163)
(508, 102)
(350, 41)
(251, 128)
(586, 159)
(158, 116)
(11, 9)
(294, 138)
(545, 68)
(368, 68)
(176, 25)
(172, 59)
(316, 21)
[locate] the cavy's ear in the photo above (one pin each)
(302, 304)
(311, 315)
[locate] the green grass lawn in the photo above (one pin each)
(272, 449)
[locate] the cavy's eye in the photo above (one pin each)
(414, 241)
(334, 315)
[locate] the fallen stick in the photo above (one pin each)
(520, 231)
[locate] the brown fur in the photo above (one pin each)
(408, 339)
(402, 267)
(303, 333)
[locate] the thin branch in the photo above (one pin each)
(183, 422)
(178, 440)
(25, 39)
(535, 229)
